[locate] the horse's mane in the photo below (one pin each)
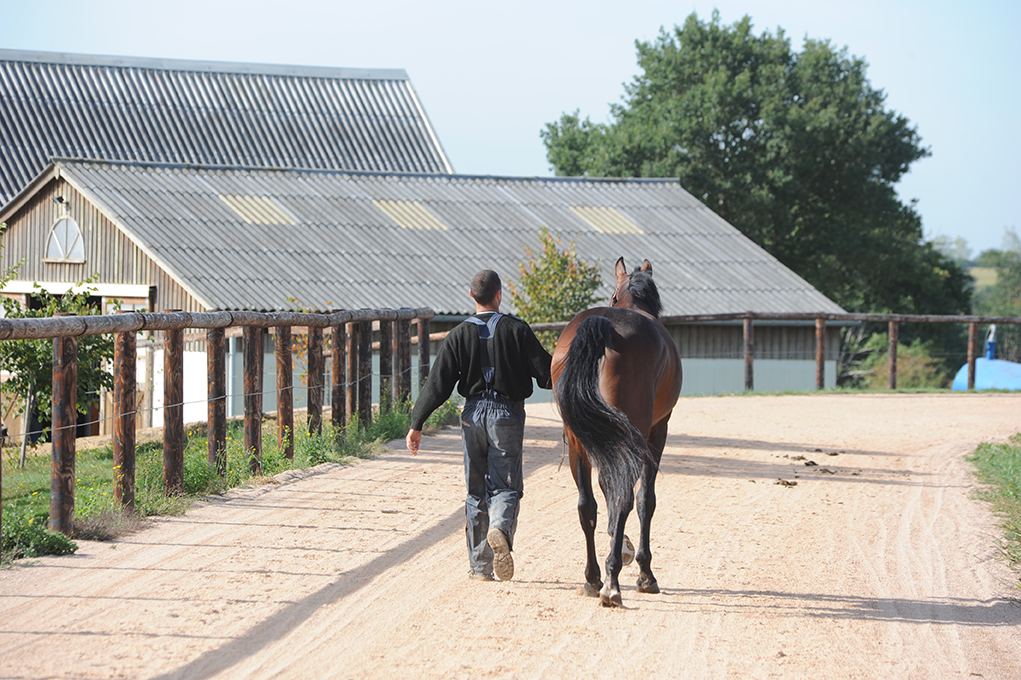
(645, 294)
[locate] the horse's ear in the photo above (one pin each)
(647, 267)
(619, 270)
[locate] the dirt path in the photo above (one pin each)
(884, 568)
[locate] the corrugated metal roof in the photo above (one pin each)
(207, 113)
(345, 252)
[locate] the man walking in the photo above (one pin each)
(492, 358)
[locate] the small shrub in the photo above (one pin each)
(447, 415)
(916, 367)
(29, 538)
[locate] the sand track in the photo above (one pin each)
(877, 564)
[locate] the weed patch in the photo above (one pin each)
(26, 495)
(998, 466)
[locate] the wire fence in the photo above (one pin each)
(347, 384)
(351, 373)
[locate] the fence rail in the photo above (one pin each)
(351, 361)
(893, 322)
(352, 394)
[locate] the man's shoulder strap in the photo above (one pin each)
(487, 327)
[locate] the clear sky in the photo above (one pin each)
(492, 74)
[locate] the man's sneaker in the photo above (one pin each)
(480, 576)
(503, 563)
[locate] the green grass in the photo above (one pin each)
(998, 466)
(26, 493)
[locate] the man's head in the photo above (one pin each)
(485, 287)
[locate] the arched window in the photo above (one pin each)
(65, 243)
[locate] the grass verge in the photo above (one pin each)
(998, 466)
(26, 494)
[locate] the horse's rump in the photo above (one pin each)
(611, 440)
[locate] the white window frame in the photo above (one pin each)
(68, 251)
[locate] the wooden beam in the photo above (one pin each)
(353, 350)
(253, 397)
(216, 407)
(972, 353)
(316, 376)
(365, 373)
(62, 477)
(893, 329)
(749, 355)
(285, 392)
(423, 350)
(124, 405)
(338, 414)
(386, 365)
(173, 411)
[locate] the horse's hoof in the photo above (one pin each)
(610, 598)
(648, 585)
(591, 589)
(627, 552)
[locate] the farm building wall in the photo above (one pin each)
(109, 253)
(712, 357)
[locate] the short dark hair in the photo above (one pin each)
(485, 285)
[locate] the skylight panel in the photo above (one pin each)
(410, 214)
(606, 219)
(258, 209)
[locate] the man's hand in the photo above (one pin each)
(413, 439)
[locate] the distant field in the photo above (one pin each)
(984, 276)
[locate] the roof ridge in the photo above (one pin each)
(237, 68)
(365, 173)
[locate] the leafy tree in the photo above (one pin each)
(30, 362)
(795, 149)
(1004, 299)
(554, 286)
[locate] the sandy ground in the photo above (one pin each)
(877, 564)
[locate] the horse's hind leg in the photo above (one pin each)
(587, 509)
(647, 506)
(617, 511)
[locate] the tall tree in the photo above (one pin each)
(795, 149)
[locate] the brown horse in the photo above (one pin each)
(617, 376)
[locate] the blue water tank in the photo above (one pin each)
(990, 374)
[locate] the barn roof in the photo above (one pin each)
(207, 113)
(263, 239)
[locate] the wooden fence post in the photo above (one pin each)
(749, 355)
(216, 407)
(253, 398)
(403, 341)
(285, 392)
(972, 353)
(423, 351)
(173, 411)
(894, 339)
(316, 375)
(820, 354)
(365, 373)
(124, 402)
(338, 395)
(386, 364)
(65, 412)
(351, 389)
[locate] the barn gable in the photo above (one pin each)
(207, 113)
(123, 268)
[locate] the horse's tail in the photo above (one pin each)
(614, 445)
